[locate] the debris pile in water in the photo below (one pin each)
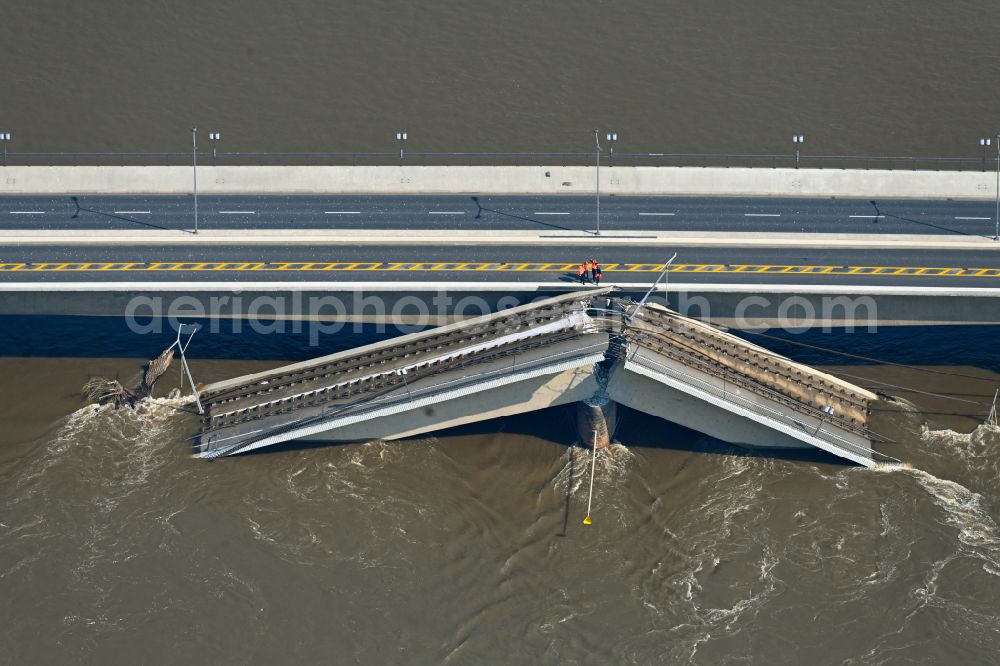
(111, 391)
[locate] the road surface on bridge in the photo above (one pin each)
(497, 263)
(526, 213)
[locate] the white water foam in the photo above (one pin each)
(611, 467)
(963, 509)
(983, 442)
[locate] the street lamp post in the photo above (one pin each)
(611, 138)
(798, 140)
(597, 188)
(5, 137)
(827, 411)
(985, 143)
(194, 173)
(401, 137)
(996, 232)
(214, 137)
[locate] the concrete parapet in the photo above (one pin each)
(526, 180)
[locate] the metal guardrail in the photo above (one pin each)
(386, 382)
(390, 396)
(737, 380)
(829, 437)
(423, 158)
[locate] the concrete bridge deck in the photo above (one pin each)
(549, 340)
(592, 348)
(696, 375)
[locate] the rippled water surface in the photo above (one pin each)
(895, 77)
(116, 546)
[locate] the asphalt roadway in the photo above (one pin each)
(489, 213)
(496, 263)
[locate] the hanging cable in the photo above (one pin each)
(910, 390)
(868, 358)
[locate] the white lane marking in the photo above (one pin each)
(761, 214)
(658, 214)
(27, 212)
(537, 213)
(237, 212)
(867, 217)
(133, 212)
(446, 212)
(973, 218)
(343, 212)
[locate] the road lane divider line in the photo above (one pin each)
(973, 218)
(867, 217)
(761, 214)
(237, 212)
(544, 213)
(133, 212)
(446, 212)
(27, 212)
(658, 214)
(342, 212)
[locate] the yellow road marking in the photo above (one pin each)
(467, 266)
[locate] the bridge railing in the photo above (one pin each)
(825, 435)
(459, 158)
(401, 393)
(729, 377)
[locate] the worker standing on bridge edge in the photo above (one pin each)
(582, 272)
(592, 270)
(596, 269)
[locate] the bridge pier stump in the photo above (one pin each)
(599, 414)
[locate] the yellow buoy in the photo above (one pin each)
(588, 521)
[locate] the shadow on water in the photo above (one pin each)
(59, 336)
(639, 430)
(973, 345)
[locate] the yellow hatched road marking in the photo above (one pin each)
(529, 267)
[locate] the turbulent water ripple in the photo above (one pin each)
(701, 554)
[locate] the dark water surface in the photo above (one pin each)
(899, 77)
(118, 547)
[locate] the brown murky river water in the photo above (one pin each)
(118, 547)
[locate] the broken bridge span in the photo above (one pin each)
(591, 348)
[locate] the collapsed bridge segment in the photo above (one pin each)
(590, 347)
(522, 359)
